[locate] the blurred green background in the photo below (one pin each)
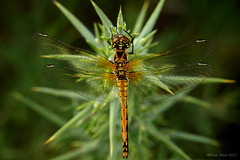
(23, 131)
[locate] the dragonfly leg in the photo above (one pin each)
(132, 38)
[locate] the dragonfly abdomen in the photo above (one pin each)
(123, 86)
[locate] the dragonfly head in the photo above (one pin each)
(120, 42)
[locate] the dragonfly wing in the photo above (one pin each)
(51, 45)
(89, 63)
(161, 84)
(191, 52)
(93, 85)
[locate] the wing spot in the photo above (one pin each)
(42, 34)
(202, 64)
(50, 66)
(200, 40)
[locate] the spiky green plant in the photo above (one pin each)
(98, 124)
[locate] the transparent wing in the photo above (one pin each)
(191, 52)
(93, 85)
(167, 82)
(51, 45)
(158, 76)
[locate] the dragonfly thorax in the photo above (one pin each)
(120, 70)
(120, 56)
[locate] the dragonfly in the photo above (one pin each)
(145, 78)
